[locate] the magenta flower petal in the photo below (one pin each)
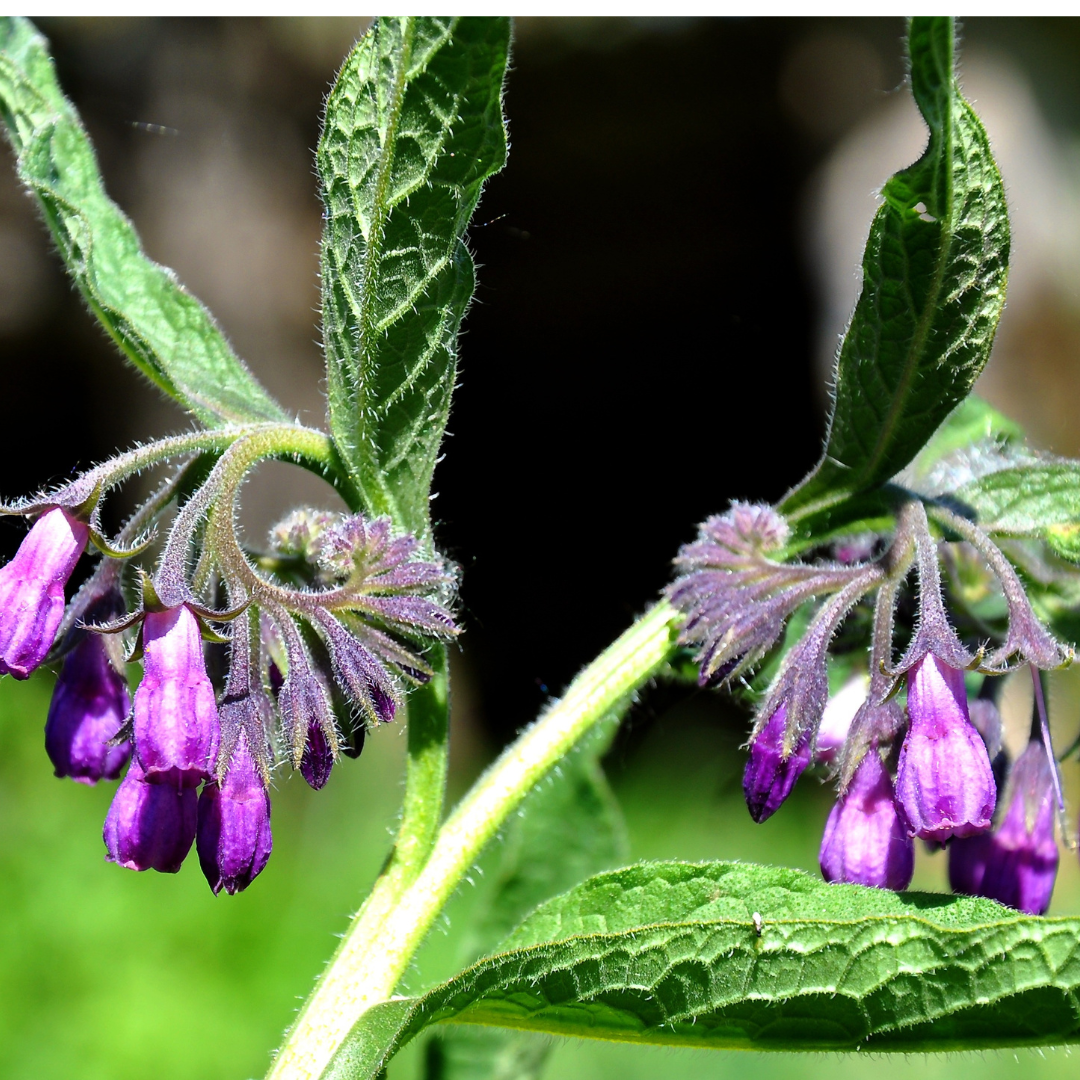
(177, 732)
(89, 706)
(944, 782)
(150, 826)
(234, 840)
(866, 841)
(769, 776)
(32, 590)
(1017, 863)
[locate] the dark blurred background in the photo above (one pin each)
(666, 265)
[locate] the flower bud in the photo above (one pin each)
(318, 758)
(150, 826)
(32, 590)
(866, 841)
(769, 776)
(1016, 864)
(176, 721)
(234, 840)
(944, 782)
(89, 705)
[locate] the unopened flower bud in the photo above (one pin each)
(944, 781)
(1017, 863)
(769, 775)
(89, 705)
(32, 590)
(150, 826)
(176, 721)
(234, 841)
(866, 841)
(318, 759)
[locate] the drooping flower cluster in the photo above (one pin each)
(925, 768)
(322, 639)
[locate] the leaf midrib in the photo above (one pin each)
(380, 213)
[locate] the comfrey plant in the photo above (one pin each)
(869, 617)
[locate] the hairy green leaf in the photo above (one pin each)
(934, 276)
(973, 435)
(1037, 499)
(413, 128)
(972, 421)
(732, 955)
(161, 328)
(568, 828)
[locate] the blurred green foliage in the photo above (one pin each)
(110, 974)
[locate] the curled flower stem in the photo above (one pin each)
(396, 917)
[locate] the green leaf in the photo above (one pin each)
(934, 276)
(669, 953)
(972, 421)
(1038, 499)
(413, 128)
(973, 430)
(160, 327)
(568, 828)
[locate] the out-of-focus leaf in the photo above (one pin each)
(934, 276)
(732, 955)
(160, 327)
(413, 128)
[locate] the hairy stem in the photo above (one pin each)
(393, 922)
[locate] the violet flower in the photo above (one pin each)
(176, 720)
(1017, 863)
(866, 840)
(944, 782)
(234, 840)
(89, 706)
(32, 590)
(769, 775)
(150, 826)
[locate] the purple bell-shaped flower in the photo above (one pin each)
(150, 826)
(769, 776)
(177, 732)
(234, 839)
(89, 706)
(866, 840)
(32, 590)
(1017, 863)
(944, 782)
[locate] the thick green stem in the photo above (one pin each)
(425, 772)
(393, 922)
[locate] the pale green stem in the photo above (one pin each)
(394, 920)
